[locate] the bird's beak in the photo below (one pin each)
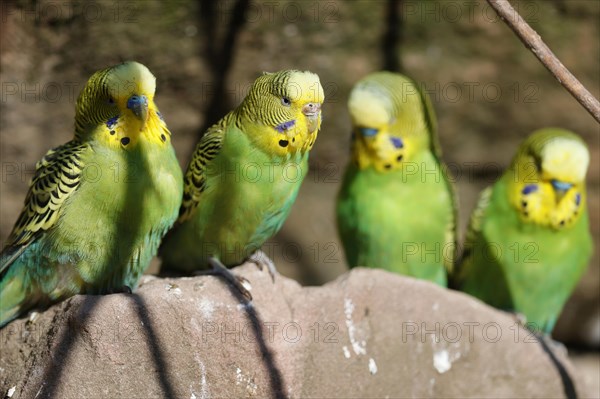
(139, 106)
(312, 111)
(560, 188)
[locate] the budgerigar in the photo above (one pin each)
(97, 206)
(396, 208)
(529, 242)
(245, 175)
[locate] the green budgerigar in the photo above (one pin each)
(97, 206)
(528, 241)
(396, 208)
(245, 175)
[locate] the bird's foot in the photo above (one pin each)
(260, 259)
(240, 283)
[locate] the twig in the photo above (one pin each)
(533, 41)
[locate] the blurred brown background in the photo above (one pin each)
(488, 90)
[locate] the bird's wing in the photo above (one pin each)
(195, 177)
(57, 176)
(473, 230)
(431, 122)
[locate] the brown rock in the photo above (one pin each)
(369, 334)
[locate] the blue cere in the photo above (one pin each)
(112, 121)
(530, 188)
(368, 131)
(577, 199)
(160, 116)
(285, 126)
(561, 185)
(397, 141)
(138, 104)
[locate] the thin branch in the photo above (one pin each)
(534, 42)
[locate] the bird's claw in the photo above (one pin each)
(240, 283)
(260, 259)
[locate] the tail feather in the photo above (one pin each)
(12, 298)
(8, 256)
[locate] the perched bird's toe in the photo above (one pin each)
(260, 259)
(240, 283)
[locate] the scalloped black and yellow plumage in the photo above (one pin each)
(195, 177)
(57, 176)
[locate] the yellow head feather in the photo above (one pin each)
(130, 78)
(305, 87)
(369, 106)
(565, 159)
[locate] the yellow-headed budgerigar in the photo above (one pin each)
(529, 241)
(97, 206)
(396, 207)
(245, 175)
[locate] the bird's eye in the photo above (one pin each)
(111, 100)
(286, 101)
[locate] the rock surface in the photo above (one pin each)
(369, 334)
